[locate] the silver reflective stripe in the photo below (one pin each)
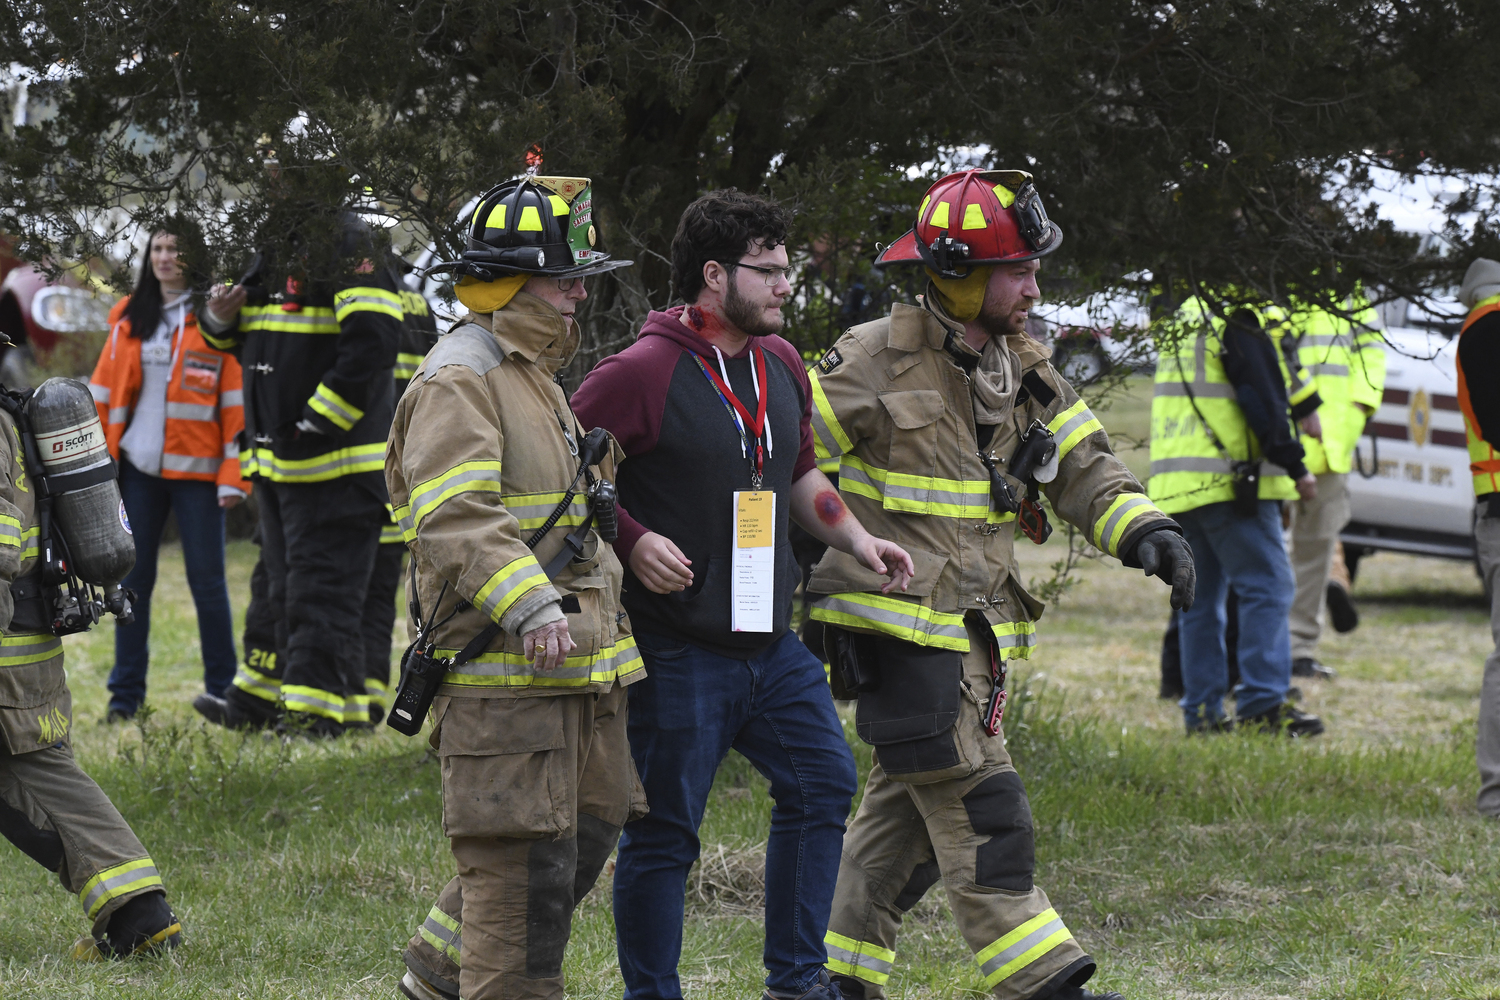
(99, 392)
(297, 322)
(458, 479)
(17, 652)
(244, 678)
(1272, 469)
(1192, 464)
(119, 414)
(108, 887)
(232, 449)
(1021, 947)
(450, 942)
(858, 960)
(264, 461)
(851, 473)
(234, 397)
(534, 515)
(1107, 536)
(894, 619)
(528, 572)
(1017, 639)
(1201, 390)
(1324, 340)
(192, 411)
(188, 463)
(8, 530)
(824, 435)
(300, 699)
(1074, 422)
(1324, 368)
(922, 494)
(326, 396)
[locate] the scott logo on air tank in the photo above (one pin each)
(84, 441)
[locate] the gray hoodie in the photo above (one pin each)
(1481, 281)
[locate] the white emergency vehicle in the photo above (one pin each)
(1410, 489)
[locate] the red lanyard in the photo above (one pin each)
(732, 402)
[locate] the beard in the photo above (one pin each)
(749, 319)
(997, 317)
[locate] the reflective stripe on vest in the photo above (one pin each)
(1484, 459)
(501, 669)
(260, 461)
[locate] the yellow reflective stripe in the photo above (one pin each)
(10, 530)
(826, 426)
(509, 584)
(336, 408)
(31, 546)
(344, 462)
(402, 515)
(357, 709)
(1015, 639)
(116, 881)
(859, 959)
(1110, 528)
(253, 682)
(501, 669)
(903, 619)
(531, 510)
(442, 931)
(909, 494)
(1071, 426)
(19, 650)
(271, 319)
(376, 688)
(391, 534)
(363, 298)
(313, 701)
(1022, 946)
(828, 466)
(479, 476)
(406, 365)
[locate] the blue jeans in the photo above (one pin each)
(200, 521)
(1248, 553)
(777, 711)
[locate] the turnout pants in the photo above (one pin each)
(1487, 541)
(257, 683)
(318, 546)
(49, 808)
(1316, 524)
(974, 834)
(535, 791)
(380, 618)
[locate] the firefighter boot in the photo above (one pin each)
(144, 924)
(414, 987)
(228, 713)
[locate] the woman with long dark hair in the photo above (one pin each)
(171, 407)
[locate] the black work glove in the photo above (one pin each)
(1166, 554)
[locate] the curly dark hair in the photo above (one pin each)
(721, 226)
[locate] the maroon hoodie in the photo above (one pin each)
(683, 463)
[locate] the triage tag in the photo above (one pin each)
(753, 579)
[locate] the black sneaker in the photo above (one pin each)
(115, 715)
(1207, 727)
(1341, 610)
(1283, 719)
(1306, 666)
(823, 989)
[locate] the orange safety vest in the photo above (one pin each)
(205, 402)
(1484, 459)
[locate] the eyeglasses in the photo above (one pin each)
(771, 274)
(566, 284)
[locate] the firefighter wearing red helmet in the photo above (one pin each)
(948, 424)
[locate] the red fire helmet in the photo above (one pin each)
(976, 217)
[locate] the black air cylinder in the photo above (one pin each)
(92, 520)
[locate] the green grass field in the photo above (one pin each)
(1353, 865)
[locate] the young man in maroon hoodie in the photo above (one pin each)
(710, 405)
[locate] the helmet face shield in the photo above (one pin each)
(974, 218)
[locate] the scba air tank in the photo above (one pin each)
(92, 519)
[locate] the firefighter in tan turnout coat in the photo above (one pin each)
(49, 808)
(946, 420)
(537, 774)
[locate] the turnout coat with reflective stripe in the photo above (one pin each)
(205, 401)
(35, 706)
(479, 457)
(329, 363)
(897, 412)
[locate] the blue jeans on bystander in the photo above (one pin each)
(1248, 553)
(200, 521)
(776, 710)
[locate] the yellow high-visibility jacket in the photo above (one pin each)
(479, 457)
(896, 409)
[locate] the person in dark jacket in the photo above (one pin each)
(710, 405)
